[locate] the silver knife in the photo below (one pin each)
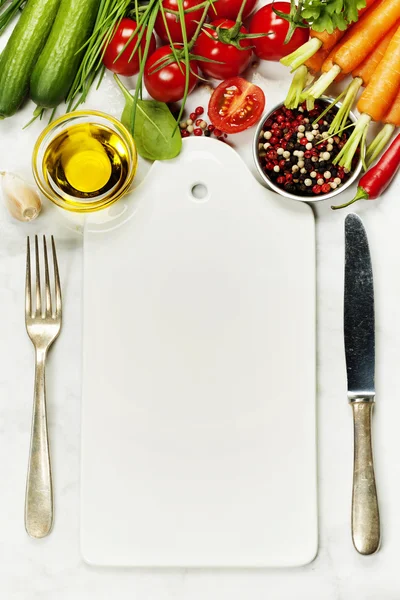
(359, 339)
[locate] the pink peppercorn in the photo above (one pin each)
(198, 132)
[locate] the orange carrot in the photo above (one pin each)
(375, 103)
(391, 120)
(355, 46)
(329, 40)
(319, 40)
(361, 77)
(368, 66)
(366, 34)
(384, 84)
(328, 64)
(330, 61)
(365, 70)
(393, 114)
(315, 62)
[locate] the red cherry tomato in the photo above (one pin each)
(271, 47)
(235, 105)
(234, 61)
(168, 83)
(125, 65)
(230, 9)
(173, 21)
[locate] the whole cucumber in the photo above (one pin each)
(59, 61)
(22, 51)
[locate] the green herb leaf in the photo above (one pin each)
(156, 135)
(322, 15)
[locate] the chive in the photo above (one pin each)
(9, 13)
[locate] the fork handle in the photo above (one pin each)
(39, 493)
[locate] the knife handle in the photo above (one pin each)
(365, 526)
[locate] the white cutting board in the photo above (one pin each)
(198, 433)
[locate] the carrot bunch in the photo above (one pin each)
(314, 52)
(309, 58)
(377, 99)
(356, 45)
(361, 77)
(369, 51)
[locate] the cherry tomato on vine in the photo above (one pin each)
(125, 66)
(235, 105)
(174, 23)
(168, 83)
(230, 9)
(233, 61)
(272, 47)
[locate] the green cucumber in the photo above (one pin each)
(22, 51)
(59, 61)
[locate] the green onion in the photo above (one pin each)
(7, 15)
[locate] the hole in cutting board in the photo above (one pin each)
(199, 192)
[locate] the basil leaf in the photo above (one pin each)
(156, 134)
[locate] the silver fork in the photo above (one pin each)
(43, 324)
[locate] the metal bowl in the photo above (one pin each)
(282, 192)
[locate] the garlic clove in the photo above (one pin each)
(21, 199)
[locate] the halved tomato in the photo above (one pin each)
(236, 105)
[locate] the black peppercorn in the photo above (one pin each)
(309, 165)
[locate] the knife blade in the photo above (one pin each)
(359, 339)
(359, 318)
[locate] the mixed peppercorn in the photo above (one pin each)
(296, 151)
(197, 126)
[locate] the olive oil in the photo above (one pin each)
(87, 160)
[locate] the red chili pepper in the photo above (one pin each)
(375, 181)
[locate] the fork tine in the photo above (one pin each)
(38, 290)
(28, 291)
(57, 279)
(47, 279)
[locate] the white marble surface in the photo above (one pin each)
(52, 567)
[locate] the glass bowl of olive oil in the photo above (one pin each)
(84, 161)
